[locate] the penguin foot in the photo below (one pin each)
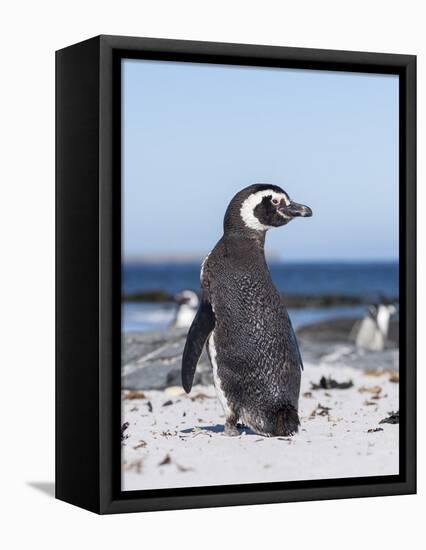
(231, 428)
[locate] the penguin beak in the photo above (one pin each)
(294, 210)
(179, 299)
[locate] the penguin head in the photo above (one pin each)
(260, 207)
(187, 297)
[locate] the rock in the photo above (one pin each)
(335, 330)
(139, 345)
(152, 360)
(340, 330)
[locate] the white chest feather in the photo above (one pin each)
(184, 317)
(217, 383)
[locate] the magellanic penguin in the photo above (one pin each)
(187, 304)
(372, 332)
(250, 341)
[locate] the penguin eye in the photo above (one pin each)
(275, 201)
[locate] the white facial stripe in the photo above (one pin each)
(285, 197)
(248, 206)
(283, 215)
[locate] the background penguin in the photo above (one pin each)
(187, 303)
(250, 341)
(372, 332)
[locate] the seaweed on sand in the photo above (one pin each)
(331, 384)
(393, 418)
(123, 429)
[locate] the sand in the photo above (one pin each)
(175, 440)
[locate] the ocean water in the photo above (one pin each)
(369, 280)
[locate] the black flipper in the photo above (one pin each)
(201, 327)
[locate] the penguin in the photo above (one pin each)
(246, 328)
(187, 305)
(372, 332)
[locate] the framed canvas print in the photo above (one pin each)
(235, 274)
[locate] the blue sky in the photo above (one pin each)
(194, 134)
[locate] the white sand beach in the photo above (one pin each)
(177, 440)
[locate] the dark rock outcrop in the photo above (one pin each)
(152, 360)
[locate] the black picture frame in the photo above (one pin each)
(88, 270)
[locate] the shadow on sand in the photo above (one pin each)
(218, 428)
